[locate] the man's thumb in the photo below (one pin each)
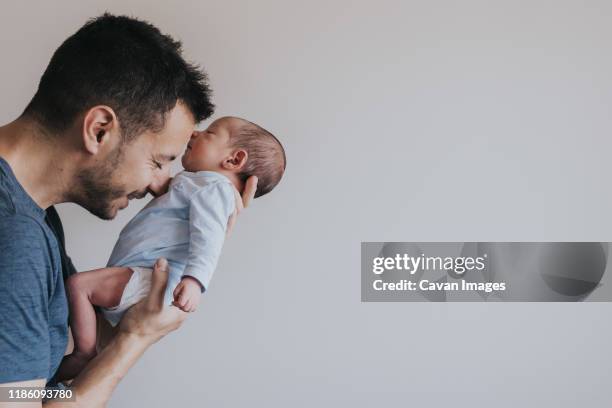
(158, 284)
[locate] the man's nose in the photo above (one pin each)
(160, 181)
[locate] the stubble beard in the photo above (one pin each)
(96, 191)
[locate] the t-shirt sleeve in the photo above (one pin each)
(210, 209)
(25, 289)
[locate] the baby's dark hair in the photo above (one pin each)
(266, 156)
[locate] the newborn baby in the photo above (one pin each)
(186, 225)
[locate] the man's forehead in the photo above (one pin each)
(169, 147)
(179, 124)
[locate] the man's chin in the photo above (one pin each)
(108, 212)
(105, 214)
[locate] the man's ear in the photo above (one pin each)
(236, 161)
(99, 123)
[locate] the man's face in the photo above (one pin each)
(136, 168)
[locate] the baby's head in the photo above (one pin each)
(238, 149)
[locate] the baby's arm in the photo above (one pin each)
(209, 211)
(100, 287)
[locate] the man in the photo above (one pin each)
(115, 106)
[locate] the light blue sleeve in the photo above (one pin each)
(210, 209)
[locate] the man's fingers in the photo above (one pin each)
(159, 280)
(243, 201)
(239, 204)
(250, 188)
(230, 223)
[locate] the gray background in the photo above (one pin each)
(403, 121)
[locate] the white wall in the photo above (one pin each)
(403, 121)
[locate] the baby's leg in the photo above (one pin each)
(100, 287)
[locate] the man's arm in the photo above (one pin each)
(144, 324)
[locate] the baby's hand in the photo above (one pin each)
(187, 294)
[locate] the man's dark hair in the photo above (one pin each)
(266, 156)
(126, 64)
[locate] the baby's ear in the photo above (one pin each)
(236, 161)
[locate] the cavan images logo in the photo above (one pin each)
(485, 271)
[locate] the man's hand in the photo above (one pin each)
(187, 294)
(149, 319)
(243, 202)
(143, 324)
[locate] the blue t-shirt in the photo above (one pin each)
(33, 304)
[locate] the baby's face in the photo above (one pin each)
(207, 149)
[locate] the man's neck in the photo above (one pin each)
(38, 160)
